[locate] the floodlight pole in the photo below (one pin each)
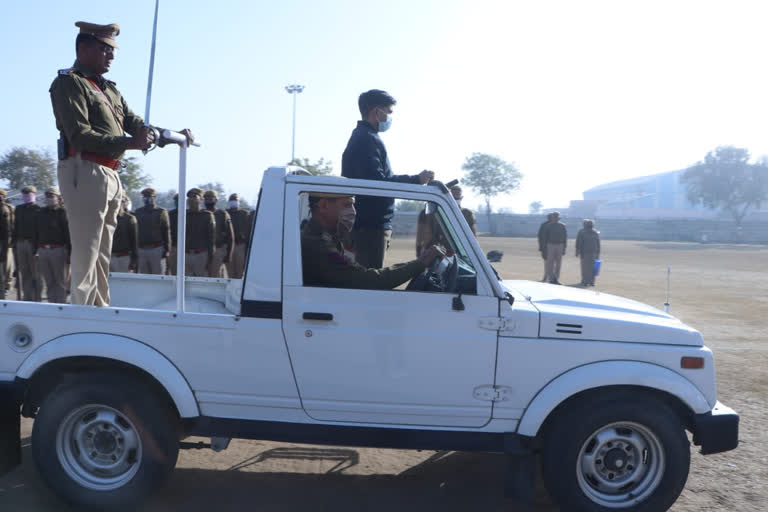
(294, 89)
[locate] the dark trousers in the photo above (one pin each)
(370, 245)
(588, 268)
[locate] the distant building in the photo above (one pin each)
(658, 195)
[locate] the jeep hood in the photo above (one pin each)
(583, 314)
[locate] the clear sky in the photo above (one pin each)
(576, 93)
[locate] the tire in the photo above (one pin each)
(104, 441)
(623, 452)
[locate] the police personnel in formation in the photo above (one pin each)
(7, 208)
(555, 239)
(588, 249)
(173, 218)
(154, 234)
(53, 246)
(6, 232)
(241, 226)
(93, 119)
(324, 261)
(225, 235)
(201, 236)
(23, 240)
(125, 254)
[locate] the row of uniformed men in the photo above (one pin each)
(36, 240)
(216, 238)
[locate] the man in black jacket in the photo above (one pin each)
(366, 158)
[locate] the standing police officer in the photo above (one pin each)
(201, 236)
(23, 240)
(241, 225)
(125, 242)
(173, 218)
(154, 234)
(6, 231)
(225, 235)
(93, 119)
(53, 246)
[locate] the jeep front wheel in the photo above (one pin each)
(622, 453)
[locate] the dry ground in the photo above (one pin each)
(720, 290)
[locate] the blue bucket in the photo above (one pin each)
(596, 268)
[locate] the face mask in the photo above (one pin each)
(149, 201)
(128, 206)
(210, 205)
(234, 204)
(347, 219)
(458, 202)
(51, 202)
(385, 125)
(28, 198)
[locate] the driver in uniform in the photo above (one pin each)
(324, 262)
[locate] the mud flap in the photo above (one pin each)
(10, 432)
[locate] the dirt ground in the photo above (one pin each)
(720, 290)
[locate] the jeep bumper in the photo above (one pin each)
(10, 426)
(716, 431)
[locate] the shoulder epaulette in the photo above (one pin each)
(65, 71)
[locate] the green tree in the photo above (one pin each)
(132, 177)
(217, 186)
(23, 166)
(726, 180)
(535, 207)
(489, 175)
(319, 168)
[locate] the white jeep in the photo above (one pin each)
(602, 388)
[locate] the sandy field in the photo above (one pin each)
(720, 290)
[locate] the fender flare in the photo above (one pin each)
(118, 348)
(605, 374)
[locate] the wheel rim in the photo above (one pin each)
(620, 464)
(98, 447)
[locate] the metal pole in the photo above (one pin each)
(294, 89)
(151, 67)
(181, 235)
(293, 136)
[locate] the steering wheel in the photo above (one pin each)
(433, 280)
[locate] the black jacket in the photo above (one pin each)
(365, 158)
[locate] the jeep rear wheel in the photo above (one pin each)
(104, 441)
(618, 453)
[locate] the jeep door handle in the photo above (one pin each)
(318, 316)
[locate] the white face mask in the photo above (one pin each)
(28, 198)
(347, 219)
(51, 202)
(234, 204)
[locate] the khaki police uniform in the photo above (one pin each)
(555, 238)
(6, 232)
(125, 243)
(225, 235)
(10, 263)
(200, 242)
(53, 250)
(24, 233)
(93, 118)
(588, 249)
(154, 237)
(241, 226)
(173, 218)
(324, 263)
